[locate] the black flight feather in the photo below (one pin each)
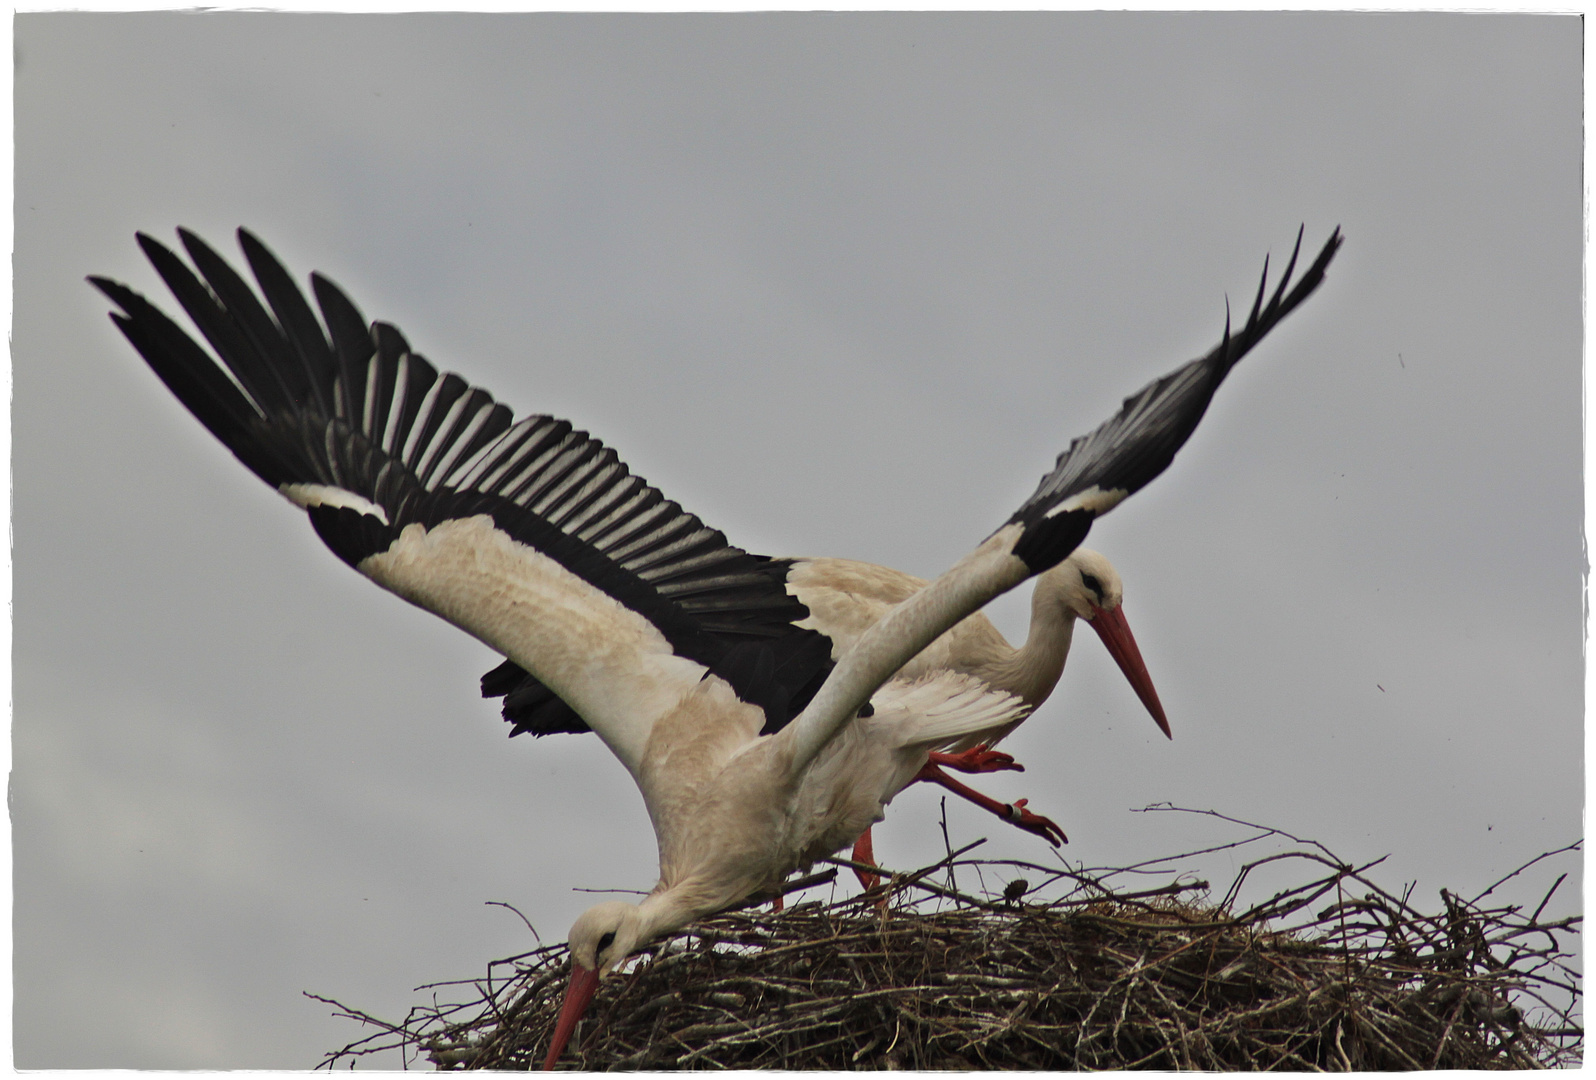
(365, 413)
(1137, 443)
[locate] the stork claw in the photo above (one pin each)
(1016, 814)
(978, 759)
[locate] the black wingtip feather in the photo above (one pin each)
(239, 349)
(296, 322)
(1132, 447)
(502, 679)
(1291, 264)
(191, 376)
(352, 344)
(1049, 540)
(256, 337)
(1263, 286)
(351, 534)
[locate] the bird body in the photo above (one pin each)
(756, 749)
(735, 810)
(735, 814)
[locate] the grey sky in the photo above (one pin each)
(842, 285)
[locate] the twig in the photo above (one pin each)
(512, 907)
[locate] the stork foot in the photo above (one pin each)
(977, 759)
(1016, 814)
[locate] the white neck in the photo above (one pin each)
(1033, 670)
(988, 571)
(665, 911)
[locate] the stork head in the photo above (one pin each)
(1088, 587)
(1085, 583)
(604, 935)
(601, 938)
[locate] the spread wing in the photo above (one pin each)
(1092, 477)
(1138, 442)
(527, 533)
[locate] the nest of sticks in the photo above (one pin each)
(1048, 968)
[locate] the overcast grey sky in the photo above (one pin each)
(842, 285)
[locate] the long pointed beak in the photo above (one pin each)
(578, 995)
(1116, 634)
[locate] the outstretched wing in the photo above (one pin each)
(1092, 477)
(1138, 442)
(436, 491)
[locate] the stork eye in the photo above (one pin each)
(1091, 582)
(606, 941)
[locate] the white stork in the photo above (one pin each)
(755, 754)
(845, 598)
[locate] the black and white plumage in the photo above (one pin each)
(369, 438)
(678, 649)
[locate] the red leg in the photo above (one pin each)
(977, 759)
(864, 851)
(1014, 813)
(778, 904)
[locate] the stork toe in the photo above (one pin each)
(1045, 827)
(978, 759)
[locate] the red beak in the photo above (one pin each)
(578, 995)
(1116, 634)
